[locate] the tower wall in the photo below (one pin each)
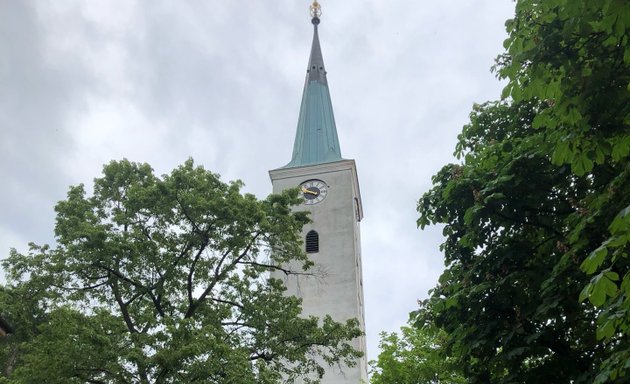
(336, 287)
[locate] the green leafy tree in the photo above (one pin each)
(20, 304)
(508, 299)
(166, 279)
(540, 198)
(575, 56)
(413, 356)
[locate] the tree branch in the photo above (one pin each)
(219, 275)
(287, 272)
(123, 307)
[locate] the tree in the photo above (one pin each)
(575, 56)
(539, 199)
(166, 279)
(508, 298)
(413, 357)
(21, 305)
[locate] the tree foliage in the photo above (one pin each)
(166, 279)
(413, 356)
(539, 203)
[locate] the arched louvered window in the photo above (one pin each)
(312, 242)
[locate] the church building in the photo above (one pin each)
(330, 188)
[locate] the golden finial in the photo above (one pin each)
(316, 10)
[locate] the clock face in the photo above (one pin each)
(313, 191)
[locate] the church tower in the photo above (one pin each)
(330, 189)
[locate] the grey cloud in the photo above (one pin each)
(36, 97)
(221, 82)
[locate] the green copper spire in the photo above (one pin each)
(316, 138)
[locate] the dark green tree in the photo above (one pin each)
(575, 57)
(22, 307)
(508, 299)
(163, 280)
(540, 198)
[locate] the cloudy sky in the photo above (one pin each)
(85, 82)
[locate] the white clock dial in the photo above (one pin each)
(313, 191)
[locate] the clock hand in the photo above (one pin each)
(304, 190)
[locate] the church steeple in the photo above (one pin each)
(316, 138)
(329, 191)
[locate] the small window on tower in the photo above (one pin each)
(312, 242)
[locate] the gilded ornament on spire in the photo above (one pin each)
(316, 10)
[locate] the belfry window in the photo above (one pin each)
(312, 242)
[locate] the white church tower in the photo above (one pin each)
(330, 189)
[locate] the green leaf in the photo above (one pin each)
(507, 90)
(606, 330)
(621, 222)
(602, 287)
(586, 292)
(613, 276)
(494, 196)
(562, 153)
(625, 285)
(471, 214)
(574, 116)
(594, 260)
(610, 41)
(581, 164)
(540, 121)
(516, 92)
(451, 302)
(620, 147)
(597, 296)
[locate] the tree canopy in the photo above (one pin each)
(414, 356)
(537, 215)
(165, 279)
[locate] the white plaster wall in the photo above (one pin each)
(337, 287)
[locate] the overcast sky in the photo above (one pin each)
(85, 82)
